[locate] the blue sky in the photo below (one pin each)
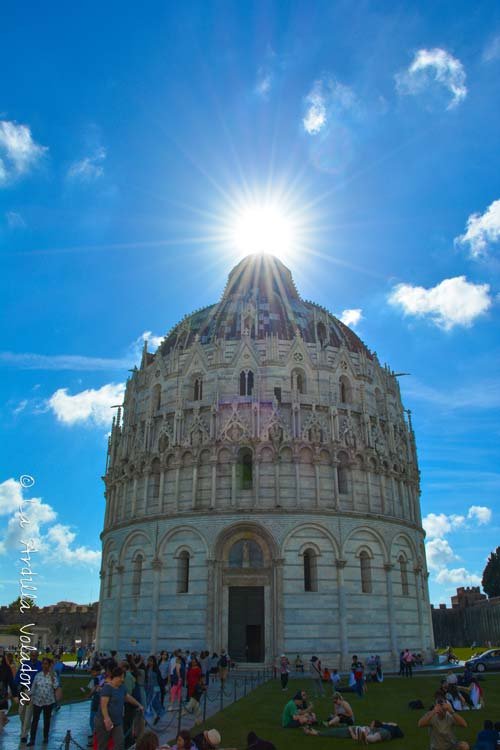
(129, 139)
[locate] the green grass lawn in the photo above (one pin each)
(261, 712)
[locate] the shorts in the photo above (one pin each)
(223, 673)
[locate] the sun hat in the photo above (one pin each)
(213, 737)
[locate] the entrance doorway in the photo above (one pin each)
(246, 623)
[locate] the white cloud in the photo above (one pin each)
(315, 116)
(351, 317)
(60, 539)
(439, 554)
(457, 577)
(326, 100)
(431, 66)
(482, 230)
(54, 544)
(18, 151)
(264, 83)
(88, 169)
(153, 340)
(479, 513)
(492, 50)
(21, 406)
(437, 525)
(14, 220)
(452, 302)
(91, 406)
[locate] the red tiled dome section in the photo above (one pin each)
(261, 289)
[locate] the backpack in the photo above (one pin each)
(416, 705)
(223, 661)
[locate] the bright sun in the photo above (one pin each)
(263, 228)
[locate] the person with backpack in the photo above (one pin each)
(317, 674)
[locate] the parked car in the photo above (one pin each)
(488, 660)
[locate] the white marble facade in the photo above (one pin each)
(263, 446)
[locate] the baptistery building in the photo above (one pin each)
(262, 489)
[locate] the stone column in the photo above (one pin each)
(277, 594)
(368, 488)
(145, 494)
(118, 607)
(134, 498)
(107, 498)
(316, 480)
(335, 486)
(344, 645)
(176, 486)
(156, 566)
(256, 481)
(297, 480)
(194, 489)
(162, 506)
(276, 482)
(233, 484)
(211, 604)
(417, 572)
(102, 578)
(388, 567)
(383, 502)
(213, 493)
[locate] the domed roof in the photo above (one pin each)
(261, 296)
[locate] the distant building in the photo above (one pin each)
(467, 597)
(262, 489)
(61, 623)
(472, 618)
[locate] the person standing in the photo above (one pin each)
(7, 687)
(32, 666)
(408, 663)
(43, 697)
(153, 689)
(109, 717)
(284, 671)
(223, 665)
(163, 666)
(175, 684)
(317, 676)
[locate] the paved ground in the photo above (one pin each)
(75, 717)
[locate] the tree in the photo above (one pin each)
(28, 601)
(491, 574)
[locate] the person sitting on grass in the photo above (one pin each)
(441, 721)
(257, 743)
(342, 712)
(487, 738)
(306, 708)
(335, 679)
(292, 713)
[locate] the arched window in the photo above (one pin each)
(403, 570)
(342, 475)
(183, 573)
(246, 383)
(156, 398)
(366, 572)
(137, 576)
(246, 554)
(245, 469)
(310, 571)
(198, 390)
(111, 570)
(345, 390)
(298, 381)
